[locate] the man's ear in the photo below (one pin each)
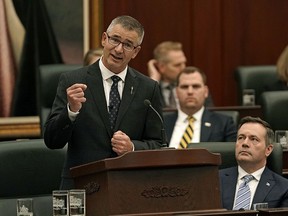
(269, 150)
(136, 51)
(161, 67)
(207, 91)
(103, 39)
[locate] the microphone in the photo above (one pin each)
(163, 134)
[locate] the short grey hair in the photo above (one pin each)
(129, 23)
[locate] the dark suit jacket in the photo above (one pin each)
(272, 188)
(221, 129)
(89, 136)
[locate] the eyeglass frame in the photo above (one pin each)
(120, 42)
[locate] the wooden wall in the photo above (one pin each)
(218, 35)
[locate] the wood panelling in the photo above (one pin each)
(217, 35)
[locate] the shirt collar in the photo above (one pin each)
(257, 174)
(183, 116)
(106, 73)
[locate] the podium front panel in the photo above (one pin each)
(151, 189)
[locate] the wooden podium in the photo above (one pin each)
(151, 181)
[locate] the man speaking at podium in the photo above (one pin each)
(99, 110)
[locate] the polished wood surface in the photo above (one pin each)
(19, 127)
(273, 212)
(201, 213)
(150, 181)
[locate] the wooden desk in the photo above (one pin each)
(219, 212)
(273, 211)
(20, 127)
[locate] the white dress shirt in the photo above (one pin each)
(252, 184)
(181, 125)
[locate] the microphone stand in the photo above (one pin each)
(163, 134)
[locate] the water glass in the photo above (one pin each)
(60, 202)
(25, 207)
(248, 97)
(258, 206)
(77, 202)
(281, 136)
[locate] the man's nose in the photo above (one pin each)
(190, 89)
(119, 47)
(245, 142)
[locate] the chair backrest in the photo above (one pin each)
(274, 107)
(254, 77)
(47, 86)
(29, 168)
(233, 113)
(227, 151)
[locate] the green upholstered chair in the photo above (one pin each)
(274, 107)
(254, 77)
(29, 168)
(233, 113)
(227, 151)
(47, 86)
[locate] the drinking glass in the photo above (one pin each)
(77, 202)
(60, 202)
(258, 206)
(25, 207)
(248, 97)
(281, 136)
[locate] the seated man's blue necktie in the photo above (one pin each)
(244, 194)
(114, 101)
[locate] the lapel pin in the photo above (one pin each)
(207, 124)
(268, 184)
(131, 90)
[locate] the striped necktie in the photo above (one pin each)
(188, 134)
(244, 194)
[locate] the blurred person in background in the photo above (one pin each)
(282, 72)
(169, 59)
(92, 56)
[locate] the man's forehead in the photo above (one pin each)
(125, 34)
(194, 77)
(252, 128)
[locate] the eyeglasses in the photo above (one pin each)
(115, 42)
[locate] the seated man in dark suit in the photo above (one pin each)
(191, 90)
(254, 144)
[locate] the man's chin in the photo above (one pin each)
(244, 158)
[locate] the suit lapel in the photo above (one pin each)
(206, 127)
(229, 182)
(95, 85)
(130, 88)
(265, 185)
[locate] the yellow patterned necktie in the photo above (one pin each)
(188, 134)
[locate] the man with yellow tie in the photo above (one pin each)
(193, 122)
